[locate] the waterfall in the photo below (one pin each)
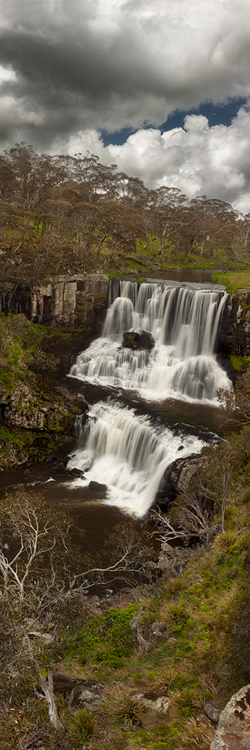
(182, 363)
(127, 453)
(118, 447)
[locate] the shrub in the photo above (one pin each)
(197, 735)
(167, 678)
(82, 725)
(124, 708)
(186, 701)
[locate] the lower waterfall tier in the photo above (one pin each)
(126, 453)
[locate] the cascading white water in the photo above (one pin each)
(118, 447)
(128, 454)
(182, 363)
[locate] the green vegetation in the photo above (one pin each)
(69, 215)
(32, 408)
(234, 281)
(104, 640)
(239, 362)
(82, 725)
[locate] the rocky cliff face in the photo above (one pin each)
(66, 301)
(234, 333)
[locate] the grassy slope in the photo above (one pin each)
(199, 653)
(197, 629)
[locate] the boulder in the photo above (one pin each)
(212, 712)
(181, 471)
(176, 480)
(84, 693)
(233, 731)
(99, 488)
(174, 559)
(76, 473)
(138, 340)
(160, 705)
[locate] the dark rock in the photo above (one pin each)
(77, 473)
(234, 330)
(138, 340)
(100, 488)
(84, 693)
(16, 301)
(175, 480)
(50, 457)
(233, 731)
(212, 713)
(4, 407)
(173, 559)
(114, 290)
(163, 500)
(227, 366)
(59, 466)
(179, 474)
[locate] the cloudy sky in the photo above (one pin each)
(160, 87)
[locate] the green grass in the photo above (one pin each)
(234, 281)
(104, 640)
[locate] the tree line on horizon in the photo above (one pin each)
(63, 215)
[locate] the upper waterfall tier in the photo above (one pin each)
(182, 363)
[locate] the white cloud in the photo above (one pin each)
(6, 74)
(121, 62)
(74, 67)
(197, 158)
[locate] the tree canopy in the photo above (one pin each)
(63, 214)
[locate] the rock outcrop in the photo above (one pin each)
(181, 471)
(233, 732)
(85, 693)
(76, 300)
(176, 480)
(234, 331)
(28, 410)
(138, 340)
(30, 416)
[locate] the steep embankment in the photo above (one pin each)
(37, 413)
(37, 408)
